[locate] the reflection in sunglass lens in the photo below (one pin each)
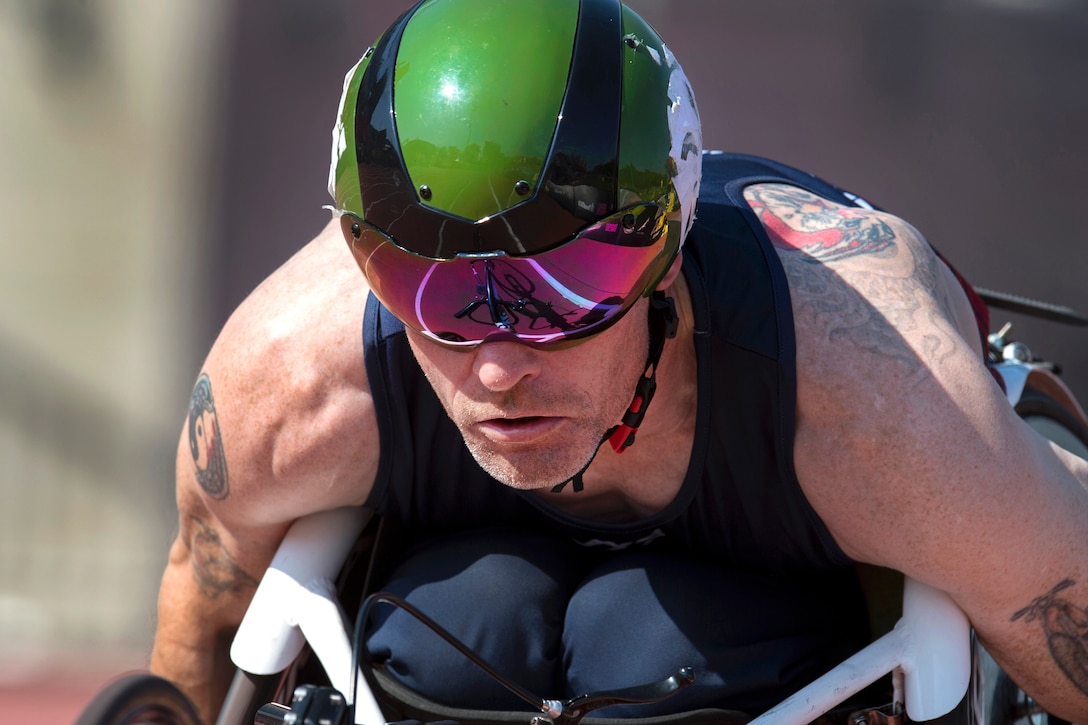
(566, 293)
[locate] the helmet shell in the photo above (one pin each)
(490, 125)
(470, 76)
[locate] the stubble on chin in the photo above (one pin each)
(526, 470)
(588, 415)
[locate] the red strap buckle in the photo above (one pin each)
(623, 436)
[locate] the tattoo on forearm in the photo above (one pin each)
(206, 442)
(215, 569)
(1066, 628)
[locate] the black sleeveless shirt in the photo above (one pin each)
(740, 502)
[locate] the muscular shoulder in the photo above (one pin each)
(280, 421)
(863, 280)
(887, 351)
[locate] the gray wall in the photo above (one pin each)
(101, 236)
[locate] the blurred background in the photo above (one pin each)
(158, 159)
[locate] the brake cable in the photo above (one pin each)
(556, 712)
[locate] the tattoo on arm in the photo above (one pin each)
(206, 442)
(821, 229)
(872, 307)
(1066, 628)
(215, 569)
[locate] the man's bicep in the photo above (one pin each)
(928, 464)
(224, 553)
(225, 537)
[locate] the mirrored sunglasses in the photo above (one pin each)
(559, 296)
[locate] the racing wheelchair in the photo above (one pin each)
(299, 660)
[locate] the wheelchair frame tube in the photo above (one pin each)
(930, 646)
(296, 604)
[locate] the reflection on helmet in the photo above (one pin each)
(489, 126)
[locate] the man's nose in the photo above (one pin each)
(501, 365)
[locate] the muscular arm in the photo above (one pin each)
(280, 425)
(211, 574)
(910, 453)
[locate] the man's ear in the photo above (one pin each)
(673, 273)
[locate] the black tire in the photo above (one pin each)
(1050, 419)
(140, 699)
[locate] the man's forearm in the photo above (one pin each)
(193, 637)
(1057, 626)
(202, 674)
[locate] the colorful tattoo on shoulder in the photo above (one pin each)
(1066, 628)
(206, 442)
(215, 569)
(826, 232)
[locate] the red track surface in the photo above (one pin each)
(51, 698)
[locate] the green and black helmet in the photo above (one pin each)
(521, 169)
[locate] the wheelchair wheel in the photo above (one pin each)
(140, 699)
(1011, 706)
(1053, 421)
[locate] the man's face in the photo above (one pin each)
(533, 418)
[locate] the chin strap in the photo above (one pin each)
(663, 326)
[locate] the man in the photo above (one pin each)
(515, 181)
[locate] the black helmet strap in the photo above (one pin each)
(664, 324)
